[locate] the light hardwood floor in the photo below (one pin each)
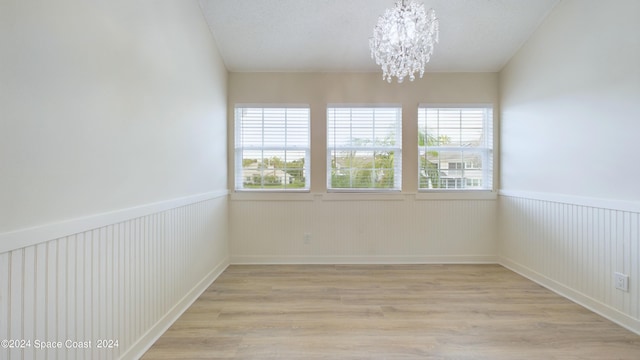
(387, 312)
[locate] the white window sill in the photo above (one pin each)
(271, 196)
(456, 195)
(364, 196)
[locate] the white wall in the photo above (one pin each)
(569, 98)
(113, 186)
(360, 228)
(104, 106)
(570, 204)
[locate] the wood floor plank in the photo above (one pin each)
(387, 312)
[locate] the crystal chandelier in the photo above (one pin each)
(403, 40)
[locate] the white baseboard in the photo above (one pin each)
(599, 308)
(373, 259)
(147, 340)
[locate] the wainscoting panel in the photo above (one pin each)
(574, 249)
(118, 286)
(397, 230)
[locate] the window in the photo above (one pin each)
(272, 148)
(455, 148)
(364, 148)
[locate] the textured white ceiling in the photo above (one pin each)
(333, 35)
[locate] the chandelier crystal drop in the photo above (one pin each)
(403, 40)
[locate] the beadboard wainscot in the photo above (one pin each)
(573, 245)
(121, 278)
(362, 228)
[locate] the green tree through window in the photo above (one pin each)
(364, 148)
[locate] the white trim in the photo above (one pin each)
(18, 239)
(365, 195)
(599, 308)
(363, 105)
(272, 196)
(375, 259)
(456, 105)
(456, 195)
(575, 200)
(272, 105)
(147, 340)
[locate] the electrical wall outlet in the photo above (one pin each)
(307, 238)
(621, 281)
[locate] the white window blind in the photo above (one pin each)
(455, 148)
(364, 148)
(272, 148)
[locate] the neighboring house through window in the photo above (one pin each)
(272, 148)
(455, 147)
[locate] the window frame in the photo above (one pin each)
(239, 149)
(486, 152)
(397, 149)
